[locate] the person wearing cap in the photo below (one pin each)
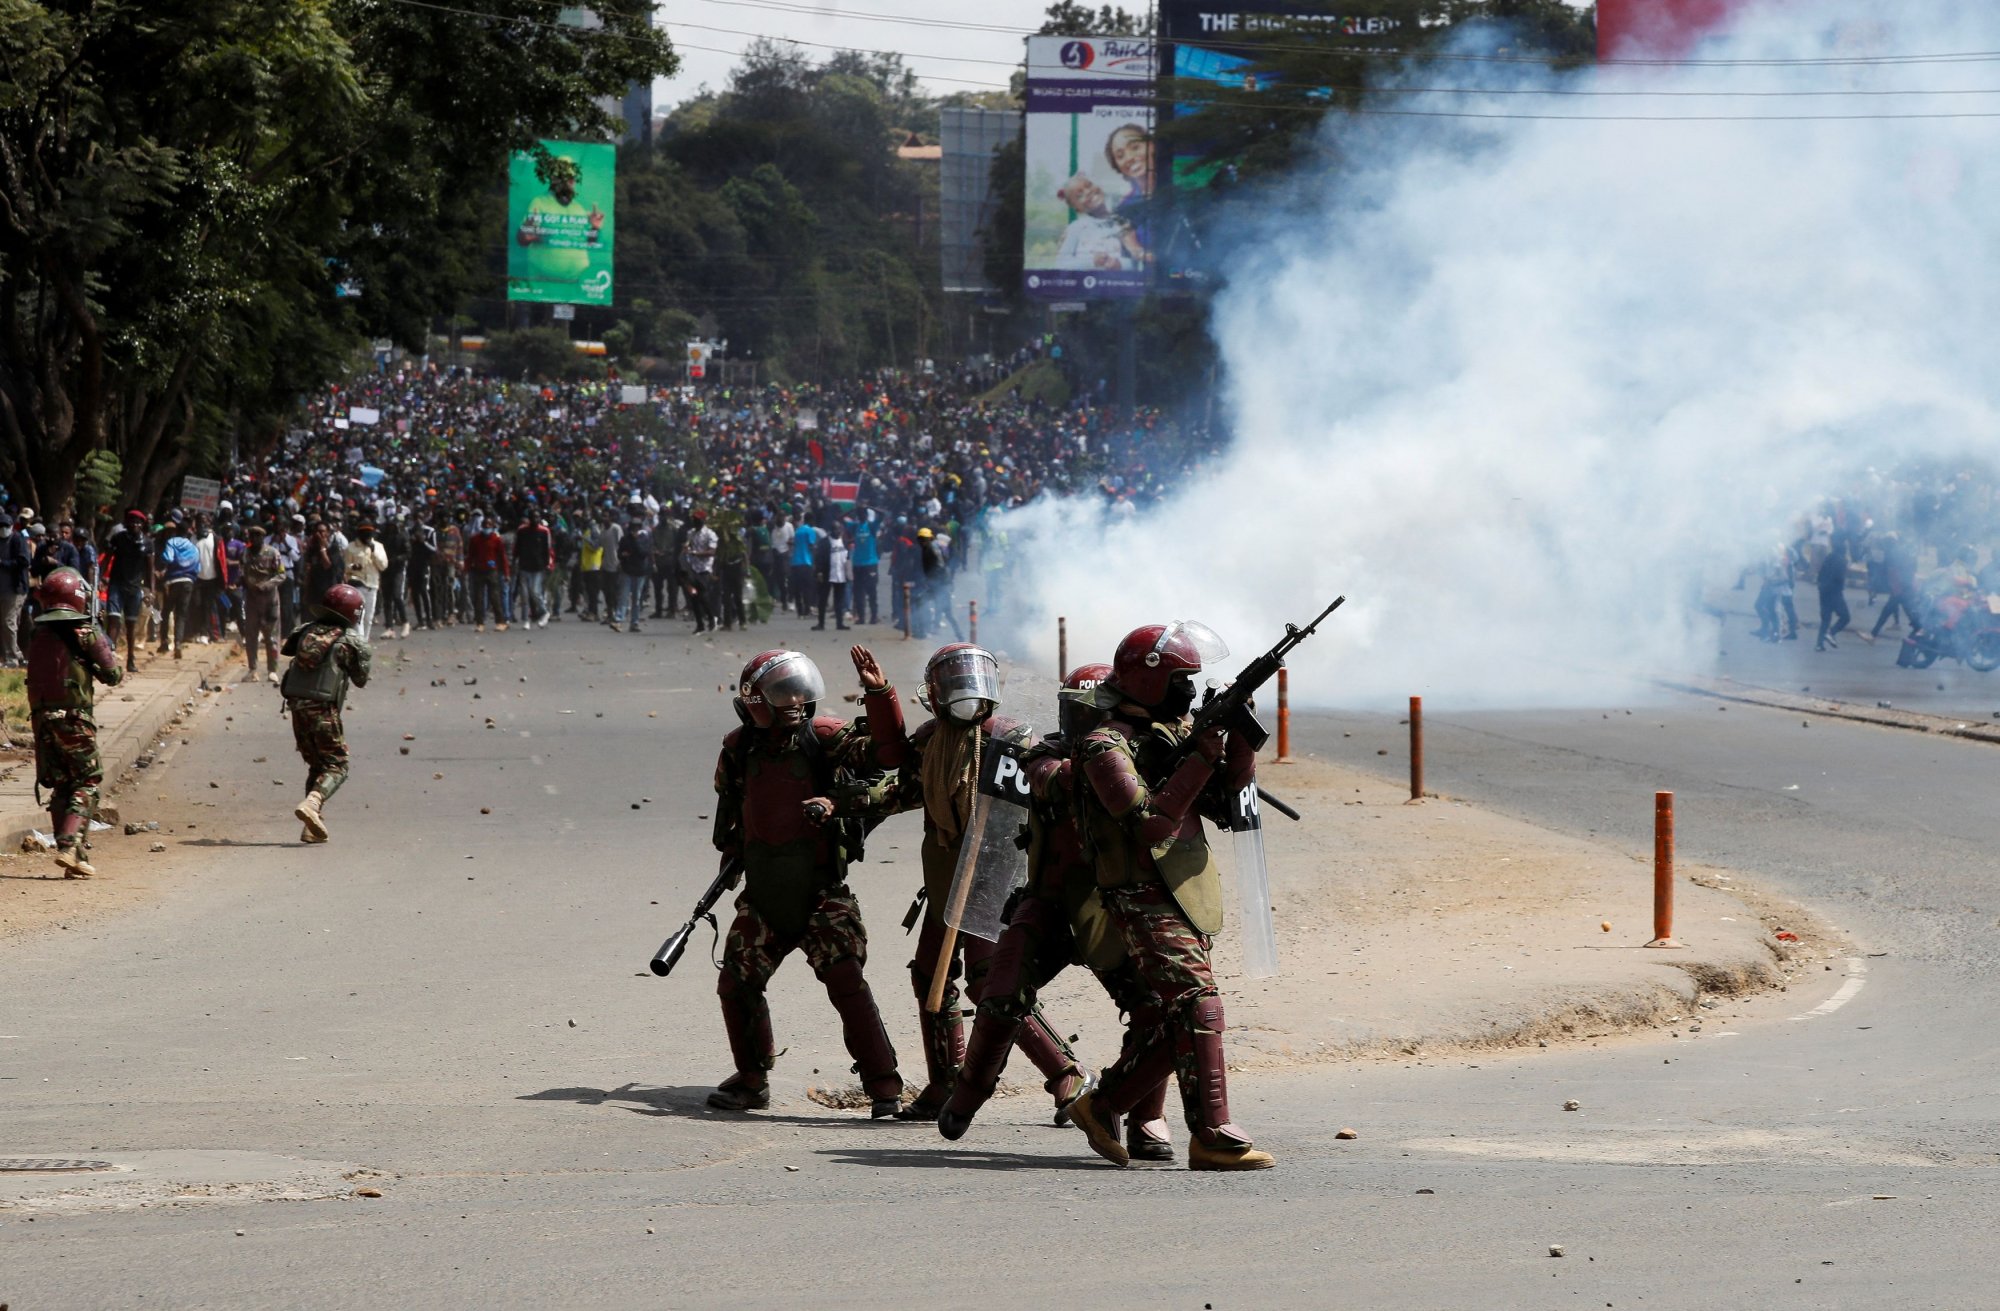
(366, 559)
(16, 555)
(129, 574)
(67, 657)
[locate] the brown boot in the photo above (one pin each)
(74, 866)
(1201, 1156)
(307, 812)
(1146, 1135)
(1100, 1127)
(1216, 1144)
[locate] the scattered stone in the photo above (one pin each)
(158, 846)
(1381, 753)
(368, 1192)
(437, 776)
(792, 1169)
(646, 800)
(1572, 1105)
(485, 810)
(635, 805)
(239, 1233)
(1606, 926)
(402, 751)
(1348, 1134)
(1555, 1249)
(409, 737)
(572, 1024)
(1426, 1192)
(471, 682)
(259, 760)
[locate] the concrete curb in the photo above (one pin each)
(133, 738)
(1728, 689)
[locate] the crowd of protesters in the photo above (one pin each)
(1913, 542)
(451, 498)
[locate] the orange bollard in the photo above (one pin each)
(1062, 648)
(1416, 748)
(906, 612)
(1284, 716)
(1663, 870)
(972, 622)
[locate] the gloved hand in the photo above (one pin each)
(1211, 743)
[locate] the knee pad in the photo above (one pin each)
(1204, 1013)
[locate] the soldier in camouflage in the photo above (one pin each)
(794, 792)
(68, 655)
(326, 657)
(1147, 784)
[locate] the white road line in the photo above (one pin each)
(1857, 975)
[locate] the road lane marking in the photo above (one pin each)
(1857, 975)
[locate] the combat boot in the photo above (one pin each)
(993, 1034)
(1146, 1134)
(307, 812)
(737, 1093)
(1227, 1154)
(1100, 1127)
(943, 1036)
(1216, 1144)
(74, 866)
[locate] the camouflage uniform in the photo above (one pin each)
(795, 895)
(263, 574)
(65, 661)
(944, 820)
(314, 695)
(1141, 814)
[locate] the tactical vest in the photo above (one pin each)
(1183, 863)
(58, 677)
(788, 861)
(324, 681)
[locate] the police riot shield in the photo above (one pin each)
(993, 854)
(1253, 884)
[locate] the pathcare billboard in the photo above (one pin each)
(560, 222)
(1089, 212)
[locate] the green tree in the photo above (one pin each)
(1067, 18)
(185, 183)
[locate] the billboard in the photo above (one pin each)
(560, 224)
(1090, 171)
(966, 201)
(1663, 28)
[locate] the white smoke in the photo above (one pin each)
(1514, 386)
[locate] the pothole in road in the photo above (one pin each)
(130, 1181)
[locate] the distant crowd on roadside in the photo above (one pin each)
(1910, 542)
(451, 498)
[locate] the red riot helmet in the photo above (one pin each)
(962, 683)
(343, 603)
(1151, 659)
(779, 685)
(63, 596)
(1075, 715)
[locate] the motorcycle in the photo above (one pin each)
(1956, 628)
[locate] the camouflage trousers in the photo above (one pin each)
(1177, 1001)
(753, 951)
(316, 731)
(67, 764)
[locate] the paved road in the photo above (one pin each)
(403, 1000)
(1855, 671)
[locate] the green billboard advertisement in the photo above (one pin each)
(560, 226)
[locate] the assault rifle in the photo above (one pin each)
(669, 954)
(1229, 708)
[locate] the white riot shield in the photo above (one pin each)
(1253, 884)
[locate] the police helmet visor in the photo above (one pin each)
(965, 685)
(1185, 635)
(790, 681)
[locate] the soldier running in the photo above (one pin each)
(1141, 816)
(793, 789)
(67, 656)
(326, 656)
(1059, 918)
(939, 763)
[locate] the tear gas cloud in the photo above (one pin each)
(1518, 387)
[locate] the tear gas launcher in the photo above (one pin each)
(669, 954)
